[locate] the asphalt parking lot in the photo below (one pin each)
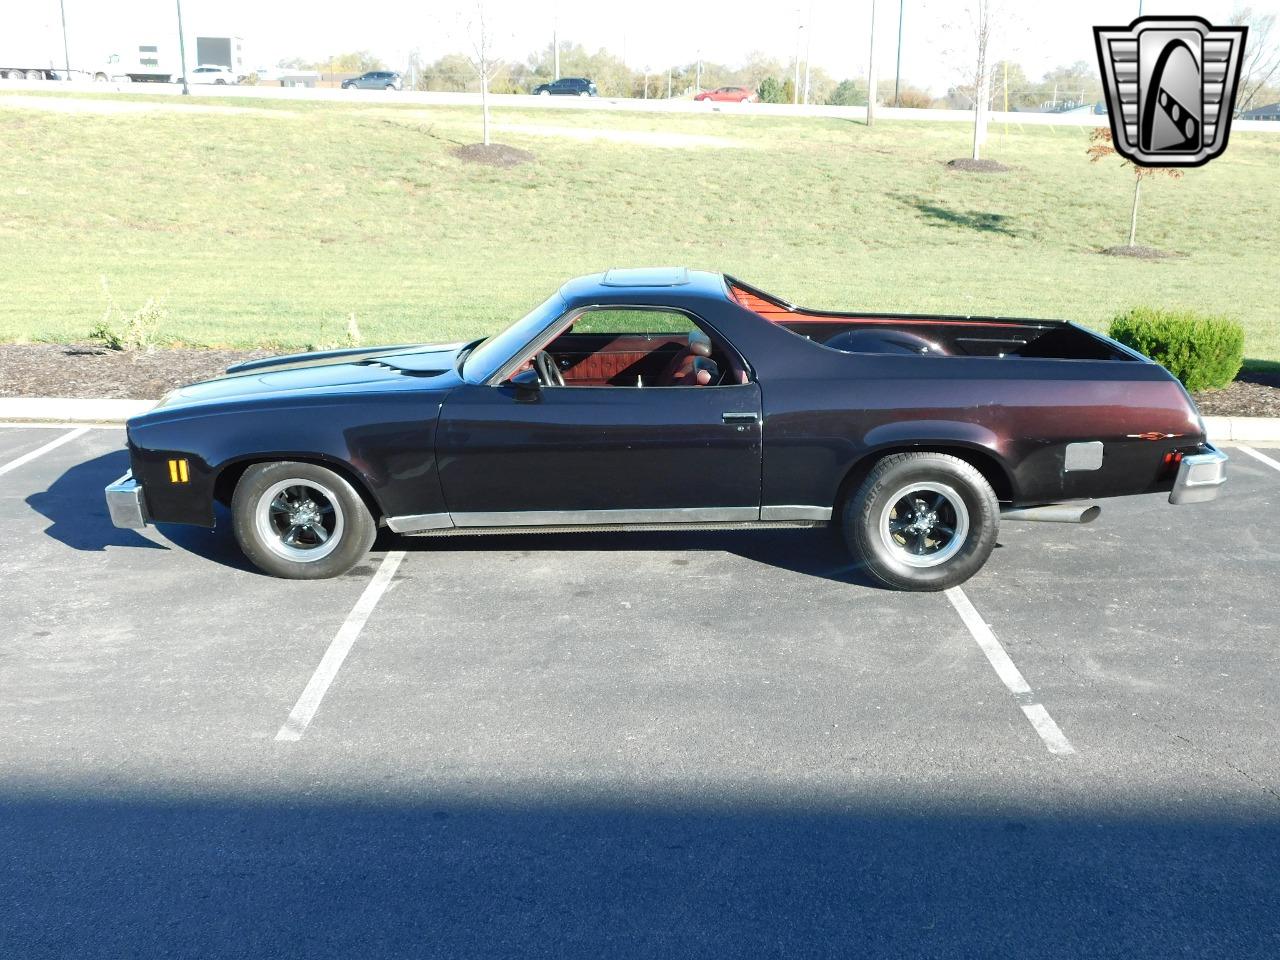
(636, 745)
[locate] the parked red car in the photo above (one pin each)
(729, 95)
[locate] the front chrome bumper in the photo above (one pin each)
(1200, 476)
(124, 500)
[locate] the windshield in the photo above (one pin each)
(486, 359)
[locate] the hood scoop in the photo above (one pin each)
(412, 364)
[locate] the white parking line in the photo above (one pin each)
(41, 451)
(1009, 673)
(305, 709)
(1275, 464)
(58, 425)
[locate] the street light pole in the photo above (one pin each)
(182, 52)
(897, 72)
(66, 51)
(871, 70)
(808, 53)
(795, 84)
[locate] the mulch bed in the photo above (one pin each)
(492, 155)
(1138, 252)
(969, 165)
(1251, 395)
(86, 370)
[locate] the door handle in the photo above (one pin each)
(739, 417)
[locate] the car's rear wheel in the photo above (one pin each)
(300, 521)
(922, 521)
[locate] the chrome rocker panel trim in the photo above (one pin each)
(124, 501)
(544, 521)
(691, 525)
(1200, 476)
(795, 511)
(414, 523)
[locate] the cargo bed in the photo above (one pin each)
(932, 335)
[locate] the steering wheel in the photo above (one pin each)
(548, 372)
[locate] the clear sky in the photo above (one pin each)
(651, 33)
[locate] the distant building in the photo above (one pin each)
(1270, 112)
(298, 78)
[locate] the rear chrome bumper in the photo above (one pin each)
(1200, 476)
(124, 500)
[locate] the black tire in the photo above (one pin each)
(897, 521)
(269, 504)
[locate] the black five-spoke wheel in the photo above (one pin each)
(300, 520)
(922, 520)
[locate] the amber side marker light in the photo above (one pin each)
(178, 471)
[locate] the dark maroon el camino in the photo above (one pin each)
(672, 399)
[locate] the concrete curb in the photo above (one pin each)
(70, 410)
(1243, 429)
(116, 412)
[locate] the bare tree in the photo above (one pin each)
(1261, 63)
(486, 65)
(1102, 148)
(982, 19)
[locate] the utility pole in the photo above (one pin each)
(795, 84)
(66, 51)
(808, 53)
(871, 70)
(897, 71)
(1006, 96)
(182, 52)
(668, 83)
(697, 82)
(555, 42)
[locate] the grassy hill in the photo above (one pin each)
(261, 222)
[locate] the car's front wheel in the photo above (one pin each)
(922, 521)
(300, 521)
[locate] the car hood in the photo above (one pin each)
(320, 371)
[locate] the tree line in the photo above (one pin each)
(1062, 88)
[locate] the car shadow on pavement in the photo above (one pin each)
(77, 511)
(116, 875)
(818, 552)
(78, 517)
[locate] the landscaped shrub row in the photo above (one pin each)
(1204, 352)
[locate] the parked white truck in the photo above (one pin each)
(34, 50)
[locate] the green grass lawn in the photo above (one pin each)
(270, 227)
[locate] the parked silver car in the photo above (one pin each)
(375, 80)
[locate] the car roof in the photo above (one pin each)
(617, 282)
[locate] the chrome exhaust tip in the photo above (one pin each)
(1054, 513)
